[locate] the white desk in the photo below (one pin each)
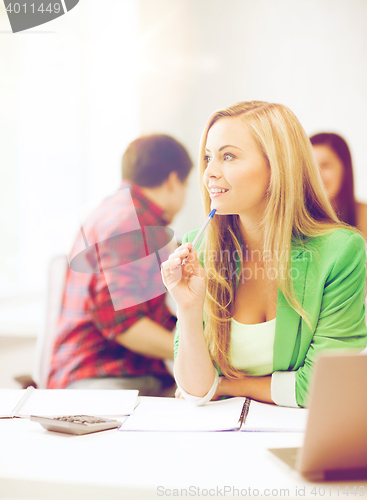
(37, 464)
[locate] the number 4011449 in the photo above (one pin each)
(18, 8)
(336, 491)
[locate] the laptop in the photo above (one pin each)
(335, 443)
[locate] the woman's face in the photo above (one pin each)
(237, 175)
(331, 169)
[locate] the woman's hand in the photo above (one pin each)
(186, 282)
(257, 388)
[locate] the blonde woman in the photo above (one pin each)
(277, 278)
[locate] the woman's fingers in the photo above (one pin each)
(183, 263)
(171, 272)
(171, 269)
(193, 266)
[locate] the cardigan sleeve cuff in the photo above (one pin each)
(197, 400)
(283, 389)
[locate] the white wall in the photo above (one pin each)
(68, 110)
(308, 54)
(75, 92)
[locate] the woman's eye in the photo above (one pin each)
(228, 156)
(207, 159)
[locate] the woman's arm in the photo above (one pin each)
(341, 319)
(334, 300)
(258, 388)
(194, 370)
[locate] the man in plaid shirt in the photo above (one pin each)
(115, 329)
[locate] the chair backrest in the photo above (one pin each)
(45, 340)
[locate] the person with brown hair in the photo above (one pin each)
(277, 278)
(335, 162)
(115, 329)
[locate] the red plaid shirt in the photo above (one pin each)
(109, 287)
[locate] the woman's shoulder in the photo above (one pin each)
(337, 241)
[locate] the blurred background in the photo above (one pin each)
(74, 92)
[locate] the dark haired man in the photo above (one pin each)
(115, 329)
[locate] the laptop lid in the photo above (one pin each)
(335, 444)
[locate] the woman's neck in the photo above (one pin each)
(253, 238)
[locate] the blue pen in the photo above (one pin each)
(203, 227)
(201, 231)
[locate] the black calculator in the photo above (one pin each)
(76, 424)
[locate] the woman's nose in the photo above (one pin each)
(213, 169)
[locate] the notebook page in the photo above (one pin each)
(170, 414)
(267, 417)
(9, 398)
(50, 402)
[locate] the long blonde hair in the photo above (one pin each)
(296, 201)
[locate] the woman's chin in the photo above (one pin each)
(220, 211)
(221, 207)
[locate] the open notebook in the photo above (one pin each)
(234, 414)
(54, 402)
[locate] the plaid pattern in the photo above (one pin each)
(99, 306)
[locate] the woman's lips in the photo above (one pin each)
(216, 195)
(216, 191)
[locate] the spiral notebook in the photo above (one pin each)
(233, 414)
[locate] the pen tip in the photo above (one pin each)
(212, 212)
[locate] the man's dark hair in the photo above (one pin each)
(149, 160)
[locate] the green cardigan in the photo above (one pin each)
(329, 281)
